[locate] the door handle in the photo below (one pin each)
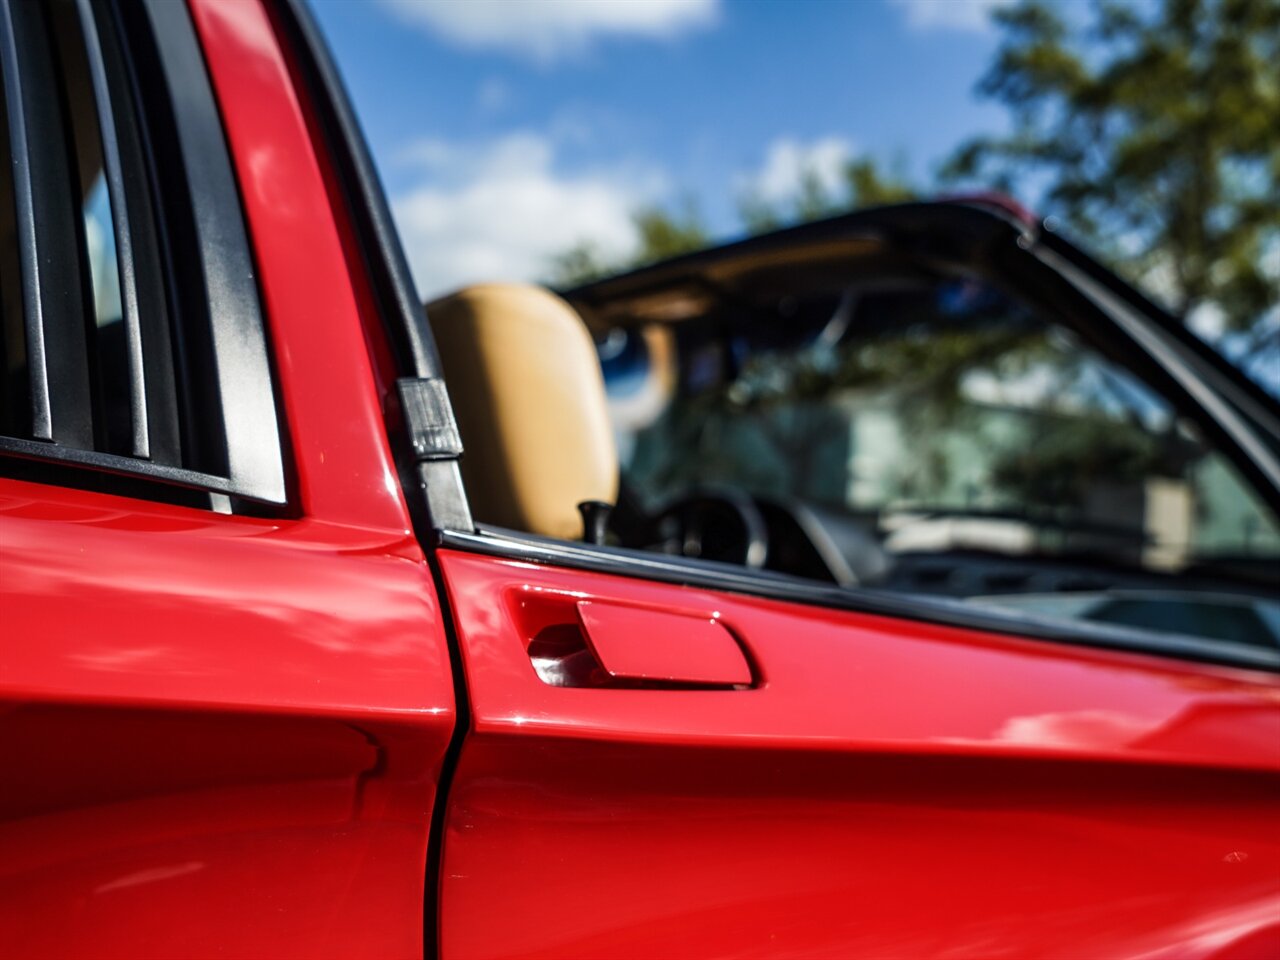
(614, 646)
(663, 647)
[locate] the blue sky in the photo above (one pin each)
(507, 130)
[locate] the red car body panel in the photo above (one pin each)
(885, 789)
(222, 734)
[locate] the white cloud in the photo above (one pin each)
(973, 15)
(504, 209)
(493, 95)
(787, 162)
(547, 29)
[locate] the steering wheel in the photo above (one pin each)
(723, 525)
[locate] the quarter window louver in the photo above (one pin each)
(133, 335)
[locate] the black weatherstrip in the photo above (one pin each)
(511, 545)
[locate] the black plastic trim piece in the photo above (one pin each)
(428, 417)
(145, 242)
(435, 446)
(1229, 380)
(47, 228)
(96, 479)
(242, 366)
(24, 223)
(114, 463)
(1260, 461)
(113, 173)
(512, 545)
(439, 483)
(968, 229)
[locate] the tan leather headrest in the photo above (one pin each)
(529, 397)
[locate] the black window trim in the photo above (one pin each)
(1194, 381)
(250, 464)
(1237, 388)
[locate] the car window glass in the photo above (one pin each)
(984, 451)
(100, 240)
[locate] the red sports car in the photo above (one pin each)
(900, 585)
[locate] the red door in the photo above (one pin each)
(220, 732)
(876, 787)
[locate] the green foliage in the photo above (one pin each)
(1071, 456)
(581, 263)
(1155, 132)
(869, 186)
(923, 368)
(665, 234)
(781, 425)
(1152, 130)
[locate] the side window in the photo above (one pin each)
(133, 338)
(934, 436)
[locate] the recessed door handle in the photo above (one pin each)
(653, 647)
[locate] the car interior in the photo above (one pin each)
(844, 413)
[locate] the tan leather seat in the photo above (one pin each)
(529, 397)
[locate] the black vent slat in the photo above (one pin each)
(134, 341)
(153, 306)
(241, 363)
(113, 172)
(24, 223)
(52, 293)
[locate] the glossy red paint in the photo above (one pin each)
(221, 734)
(658, 646)
(337, 433)
(889, 789)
